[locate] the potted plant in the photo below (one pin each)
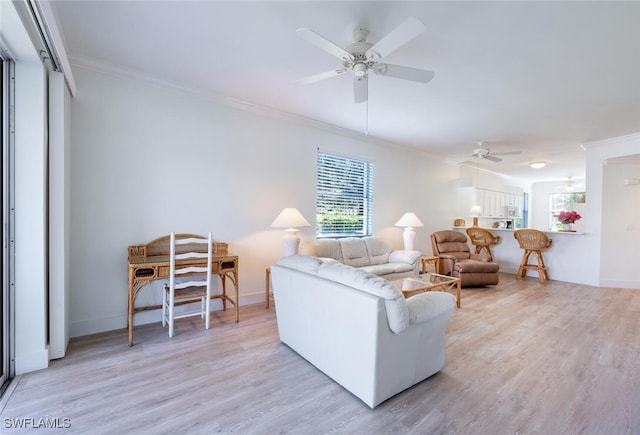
(567, 218)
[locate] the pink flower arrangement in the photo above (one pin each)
(568, 217)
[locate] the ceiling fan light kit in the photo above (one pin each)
(362, 56)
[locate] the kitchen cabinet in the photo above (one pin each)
(494, 204)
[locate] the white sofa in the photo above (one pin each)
(371, 254)
(357, 327)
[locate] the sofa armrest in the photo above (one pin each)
(425, 306)
(446, 263)
(480, 257)
(404, 256)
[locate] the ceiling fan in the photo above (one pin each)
(485, 153)
(362, 56)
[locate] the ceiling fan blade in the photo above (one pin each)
(360, 89)
(405, 32)
(404, 72)
(506, 153)
(492, 158)
(323, 43)
(321, 76)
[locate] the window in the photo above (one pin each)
(562, 201)
(343, 204)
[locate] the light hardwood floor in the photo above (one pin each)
(523, 358)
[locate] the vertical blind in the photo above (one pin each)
(344, 196)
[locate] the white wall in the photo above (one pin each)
(610, 201)
(59, 231)
(621, 225)
(146, 161)
(603, 226)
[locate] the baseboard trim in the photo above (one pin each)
(95, 326)
(635, 285)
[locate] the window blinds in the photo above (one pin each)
(344, 196)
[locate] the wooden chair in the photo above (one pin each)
(483, 240)
(196, 288)
(533, 242)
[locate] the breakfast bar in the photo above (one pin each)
(563, 258)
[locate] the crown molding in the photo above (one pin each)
(630, 138)
(235, 103)
(223, 100)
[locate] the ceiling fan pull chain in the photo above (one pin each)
(366, 126)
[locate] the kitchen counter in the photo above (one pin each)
(562, 258)
(550, 232)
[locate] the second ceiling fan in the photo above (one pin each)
(483, 152)
(363, 56)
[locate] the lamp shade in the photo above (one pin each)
(475, 210)
(289, 218)
(409, 219)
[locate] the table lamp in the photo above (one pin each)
(409, 221)
(475, 212)
(291, 219)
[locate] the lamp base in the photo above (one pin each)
(291, 242)
(475, 221)
(409, 235)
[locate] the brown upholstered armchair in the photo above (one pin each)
(457, 260)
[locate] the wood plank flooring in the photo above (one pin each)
(523, 358)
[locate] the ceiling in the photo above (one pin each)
(536, 77)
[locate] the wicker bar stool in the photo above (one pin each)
(483, 240)
(533, 242)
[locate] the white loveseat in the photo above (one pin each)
(357, 327)
(371, 254)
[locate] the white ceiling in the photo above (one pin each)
(540, 77)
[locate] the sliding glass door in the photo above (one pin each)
(6, 206)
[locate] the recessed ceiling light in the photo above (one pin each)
(538, 165)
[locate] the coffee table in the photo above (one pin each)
(426, 282)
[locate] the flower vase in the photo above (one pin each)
(566, 227)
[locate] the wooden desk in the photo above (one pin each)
(150, 262)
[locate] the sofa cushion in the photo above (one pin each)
(480, 257)
(378, 269)
(327, 248)
(303, 263)
(354, 252)
(401, 267)
(471, 266)
(402, 256)
(395, 304)
(377, 249)
(450, 236)
(358, 279)
(452, 241)
(388, 268)
(460, 247)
